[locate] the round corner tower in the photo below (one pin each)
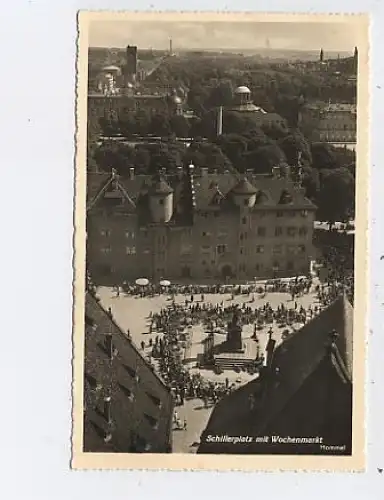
(244, 194)
(161, 201)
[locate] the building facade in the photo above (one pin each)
(333, 123)
(197, 227)
(127, 407)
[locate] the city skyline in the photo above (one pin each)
(336, 36)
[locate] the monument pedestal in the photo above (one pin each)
(232, 352)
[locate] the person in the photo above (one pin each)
(142, 345)
(185, 424)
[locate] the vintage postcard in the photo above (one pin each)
(220, 270)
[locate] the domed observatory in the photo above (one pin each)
(244, 194)
(242, 95)
(161, 200)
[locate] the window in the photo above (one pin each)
(258, 267)
(303, 231)
(292, 213)
(241, 251)
(186, 249)
(161, 201)
(246, 202)
(290, 266)
(261, 231)
(130, 250)
(291, 231)
(203, 262)
(130, 234)
(291, 249)
(147, 251)
(205, 248)
(244, 220)
(279, 213)
(241, 237)
(260, 249)
(278, 231)
(206, 233)
(262, 213)
(301, 248)
(277, 249)
(105, 250)
(221, 249)
(304, 213)
(105, 232)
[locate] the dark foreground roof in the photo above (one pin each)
(307, 391)
(140, 405)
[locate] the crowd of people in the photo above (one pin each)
(173, 324)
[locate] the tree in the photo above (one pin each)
(292, 145)
(221, 95)
(180, 126)
(233, 146)
(160, 125)
(311, 183)
(336, 200)
(274, 131)
(143, 121)
(323, 156)
(262, 160)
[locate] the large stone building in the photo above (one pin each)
(197, 227)
(127, 407)
(333, 123)
(304, 391)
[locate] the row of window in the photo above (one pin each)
(261, 231)
(221, 249)
(107, 233)
(262, 213)
(290, 265)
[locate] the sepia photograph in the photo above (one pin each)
(220, 248)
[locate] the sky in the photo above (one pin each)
(333, 36)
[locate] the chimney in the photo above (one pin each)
(219, 124)
(270, 351)
(107, 409)
(131, 173)
(109, 345)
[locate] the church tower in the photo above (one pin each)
(321, 55)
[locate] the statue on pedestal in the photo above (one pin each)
(234, 340)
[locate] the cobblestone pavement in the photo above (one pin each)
(193, 411)
(133, 313)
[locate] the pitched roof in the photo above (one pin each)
(298, 358)
(244, 187)
(137, 190)
(130, 382)
(268, 190)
